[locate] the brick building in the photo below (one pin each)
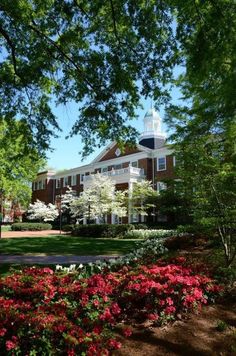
(151, 159)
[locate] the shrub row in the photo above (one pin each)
(102, 230)
(31, 226)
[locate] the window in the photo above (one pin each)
(39, 184)
(135, 218)
(104, 169)
(58, 183)
(44, 184)
(82, 177)
(134, 164)
(161, 164)
(117, 166)
(161, 186)
(73, 180)
(65, 181)
(35, 185)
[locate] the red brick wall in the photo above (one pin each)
(45, 195)
(146, 165)
(168, 173)
(111, 153)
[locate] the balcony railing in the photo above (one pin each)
(131, 171)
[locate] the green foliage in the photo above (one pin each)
(68, 228)
(108, 55)
(19, 161)
(30, 226)
(221, 326)
(102, 230)
(139, 199)
(172, 203)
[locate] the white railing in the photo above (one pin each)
(131, 171)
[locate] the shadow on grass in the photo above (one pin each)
(63, 245)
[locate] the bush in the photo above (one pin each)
(148, 234)
(52, 313)
(30, 226)
(140, 226)
(183, 241)
(68, 228)
(102, 230)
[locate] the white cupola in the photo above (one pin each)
(152, 136)
(152, 122)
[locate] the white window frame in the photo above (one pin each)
(136, 162)
(158, 168)
(82, 177)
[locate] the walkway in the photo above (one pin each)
(52, 259)
(42, 233)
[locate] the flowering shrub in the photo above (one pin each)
(56, 313)
(148, 234)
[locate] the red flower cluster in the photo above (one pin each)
(51, 311)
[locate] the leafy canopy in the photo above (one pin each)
(19, 161)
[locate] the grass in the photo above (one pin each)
(65, 245)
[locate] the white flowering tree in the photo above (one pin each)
(139, 199)
(42, 212)
(98, 200)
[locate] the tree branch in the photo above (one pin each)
(65, 55)
(13, 49)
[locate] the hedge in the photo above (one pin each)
(102, 230)
(31, 226)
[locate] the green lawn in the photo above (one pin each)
(65, 245)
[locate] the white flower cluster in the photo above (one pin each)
(149, 234)
(40, 211)
(71, 268)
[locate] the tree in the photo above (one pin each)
(98, 200)
(139, 198)
(19, 162)
(42, 212)
(175, 203)
(206, 166)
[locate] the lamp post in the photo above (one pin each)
(89, 209)
(1, 211)
(60, 215)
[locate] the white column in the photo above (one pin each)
(129, 207)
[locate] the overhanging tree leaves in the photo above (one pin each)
(19, 161)
(105, 55)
